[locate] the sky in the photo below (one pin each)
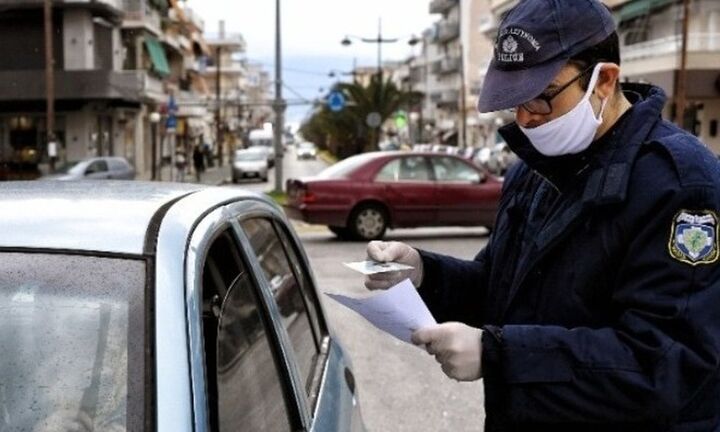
(311, 35)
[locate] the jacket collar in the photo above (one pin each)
(609, 160)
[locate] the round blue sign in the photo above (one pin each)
(336, 101)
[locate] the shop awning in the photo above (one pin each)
(157, 55)
(637, 8)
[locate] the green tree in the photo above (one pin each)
(346, 132)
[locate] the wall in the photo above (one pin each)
(78, 39)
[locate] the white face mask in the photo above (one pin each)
(573, 131)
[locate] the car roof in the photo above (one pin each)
(99, 216)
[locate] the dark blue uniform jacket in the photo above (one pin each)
(598, 315)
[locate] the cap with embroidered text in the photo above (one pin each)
(535, 40)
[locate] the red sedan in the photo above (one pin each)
(360, 197)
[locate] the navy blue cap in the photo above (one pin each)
(535, 40)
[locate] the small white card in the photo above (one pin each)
(372, 267)
(399, 310)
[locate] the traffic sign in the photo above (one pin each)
(336, 101)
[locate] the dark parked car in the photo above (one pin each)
(135, 306)
(360, 197)
(95, 168)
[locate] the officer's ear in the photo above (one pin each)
(607, 80)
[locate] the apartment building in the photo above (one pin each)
(225, 72)
(91, 88)
(651, 45)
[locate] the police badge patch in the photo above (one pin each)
(693, 239)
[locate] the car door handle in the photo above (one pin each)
(350, 380)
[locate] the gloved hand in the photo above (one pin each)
(393, 252)
(456, 346)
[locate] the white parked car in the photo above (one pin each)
(251, 162)
(138, 306)
(95, 168)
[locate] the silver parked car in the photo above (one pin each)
(95, 168)
(251, 162)
(161, 307)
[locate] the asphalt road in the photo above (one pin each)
(401, 387)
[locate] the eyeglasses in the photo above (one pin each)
(541, 104)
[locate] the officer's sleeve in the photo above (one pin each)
(660, 350)
(454, 289)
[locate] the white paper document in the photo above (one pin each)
(398, 310)
(372, 267)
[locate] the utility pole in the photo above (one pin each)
(218, 117)
(50, 84)
(278, 104)
(463, 107)
(680, 95)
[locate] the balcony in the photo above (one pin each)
(110, 8)
(29, 85)
(140, 15)
(697, 42)
(449, 99)
(447, 31)
(442, 6)
(450, 65)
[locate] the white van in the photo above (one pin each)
(263, 138)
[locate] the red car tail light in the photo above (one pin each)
(308, 197)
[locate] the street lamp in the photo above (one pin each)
(379, 40)
(154, 120)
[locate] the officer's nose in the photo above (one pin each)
(527, 119)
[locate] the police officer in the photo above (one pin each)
(596, 303)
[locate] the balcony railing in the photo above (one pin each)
(141, 14)
(448, 30)
(697, 42)
(441, 6)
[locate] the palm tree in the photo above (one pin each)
(346, 132)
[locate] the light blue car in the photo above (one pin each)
(135, 306)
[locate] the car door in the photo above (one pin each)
(463, 194)
(261, 351)
(409, 190)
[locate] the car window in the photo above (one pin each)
(118, 165)
(97, 166)
(449, 169)
(72, 338)
(345, 166)
(413, 168)
(390, 172)
(287, 292)
(245, 385)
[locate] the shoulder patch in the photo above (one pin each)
(693, 238)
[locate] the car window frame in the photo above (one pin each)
(323, 337)
(201, 238)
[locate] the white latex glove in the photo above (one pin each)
(393, 252)
(456, 346)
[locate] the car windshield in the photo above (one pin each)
(345, 166)
(249, 156)
(261, 142)
(306, 146)
(72, 342)
(71, 168)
